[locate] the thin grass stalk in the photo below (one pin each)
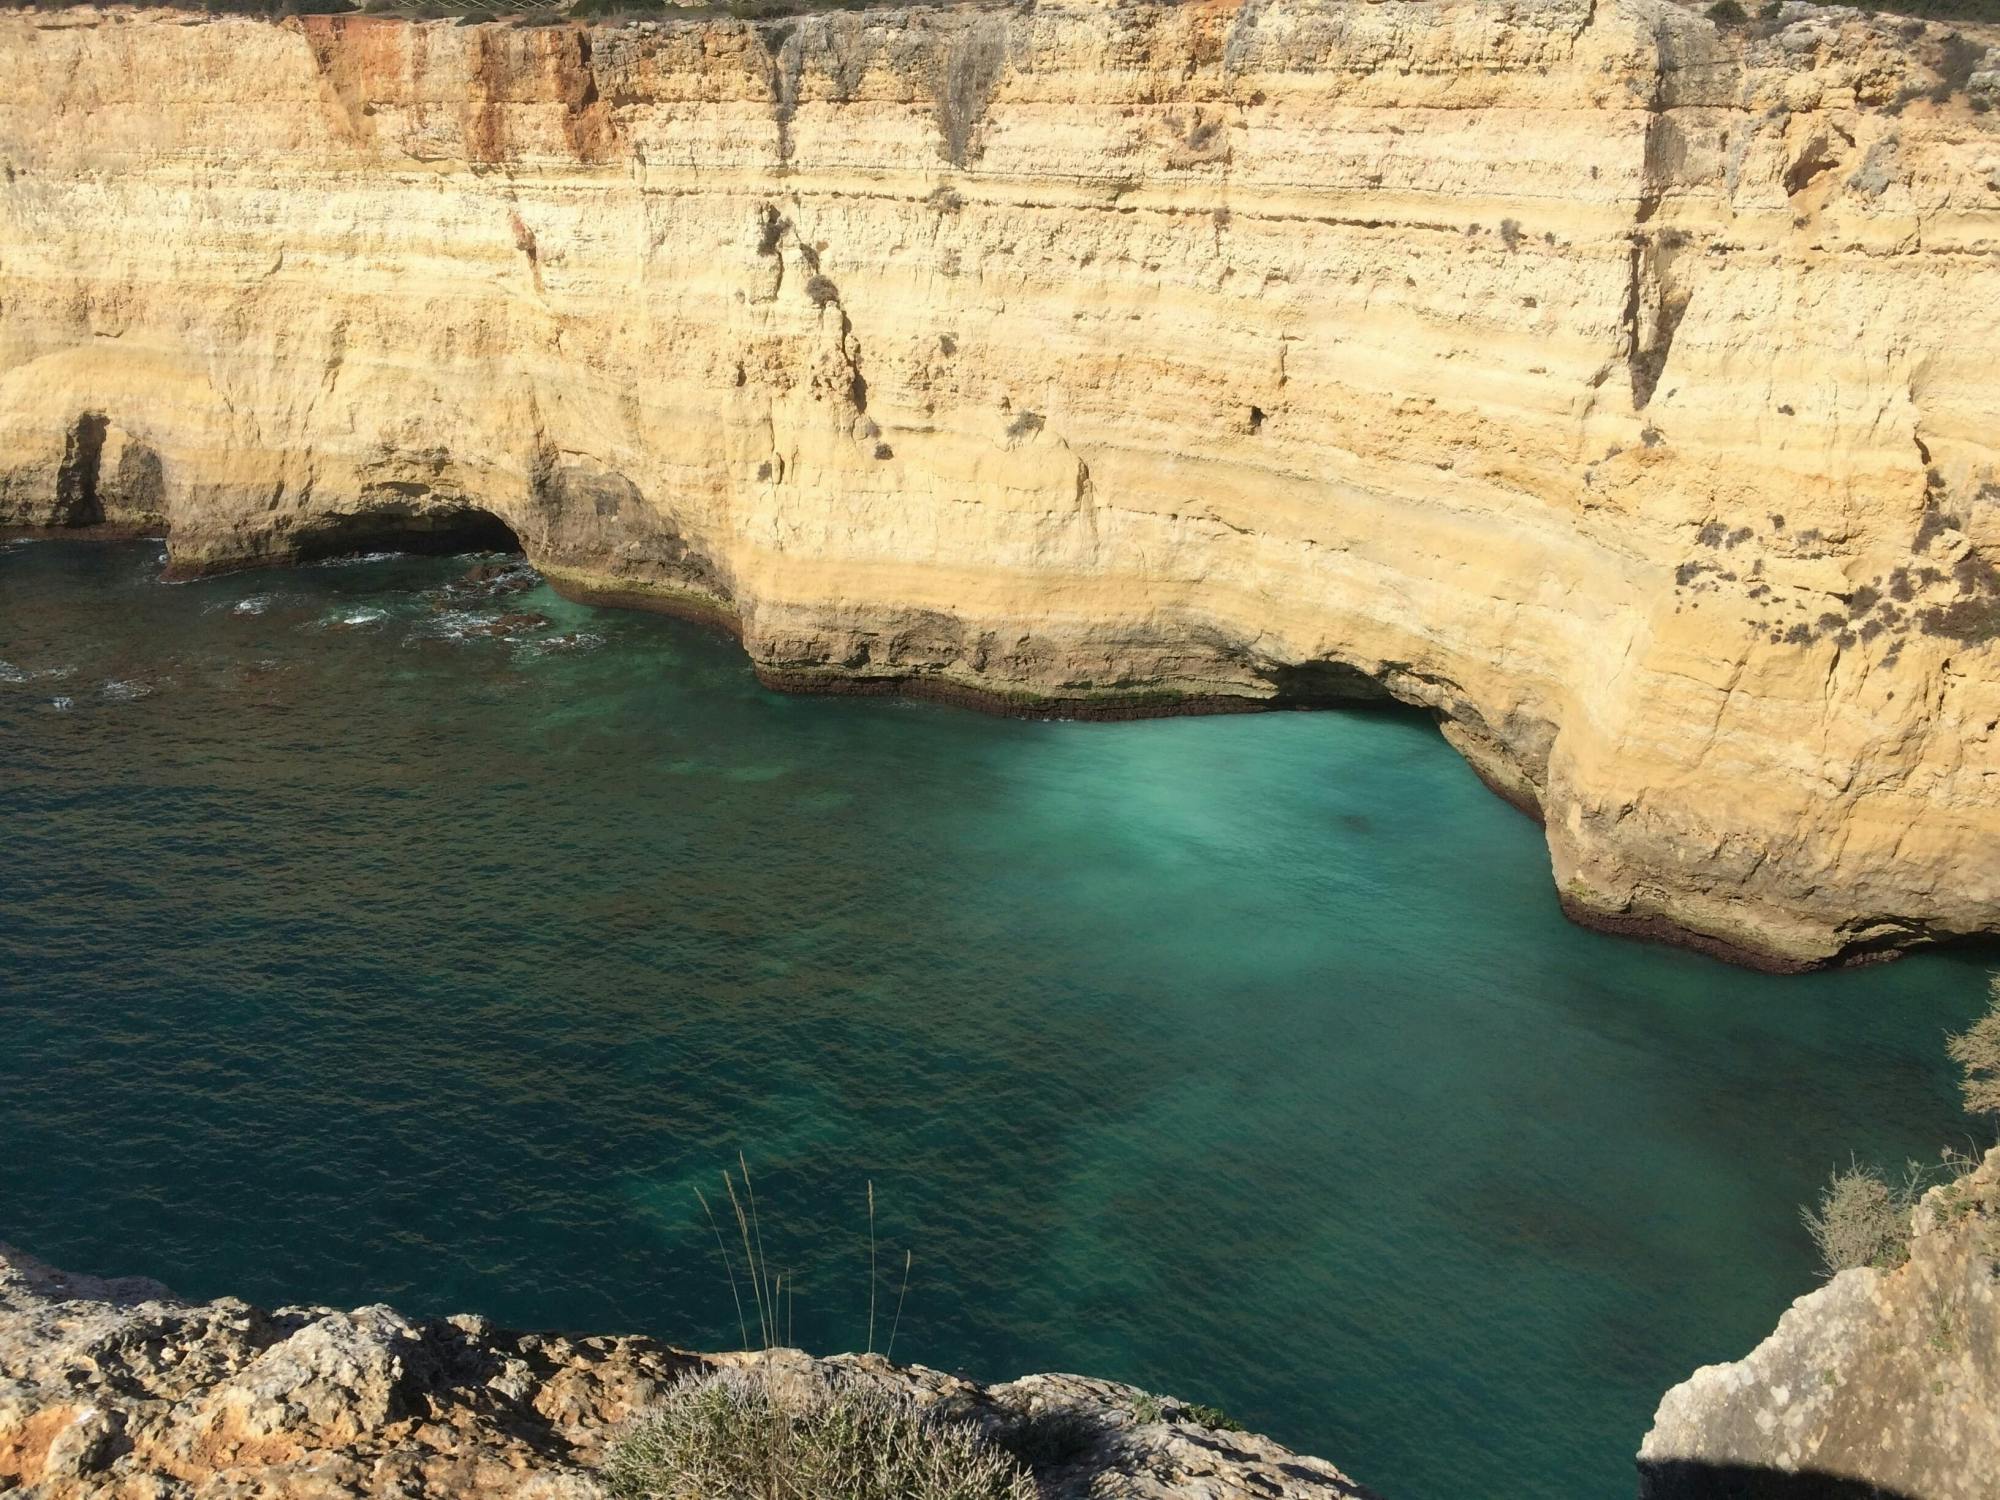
(750, 1254)
(750, 1191)
(890, 1352)
(742, 1328)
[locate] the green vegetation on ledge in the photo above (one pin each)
(1863, 1217)
(732, 1433)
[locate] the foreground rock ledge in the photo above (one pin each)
(1880, 1384)
(1615, 386)
(117, 1390)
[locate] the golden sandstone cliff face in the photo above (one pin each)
(1618, 388)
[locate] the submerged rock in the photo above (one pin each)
(513, 623)
(116, 1387)
(495, 578)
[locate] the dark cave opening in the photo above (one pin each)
(77, 500)
(429, 533)
(1326, 684)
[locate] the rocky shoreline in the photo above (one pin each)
(1880, 1385)
(114, 1389)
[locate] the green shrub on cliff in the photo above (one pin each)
(1862, 1219)
(728, 1436)
(1210, 1416)
(1976, 1050)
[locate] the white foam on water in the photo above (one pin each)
(14, 676)
(62, 705)
(454, 625)
(122, 691)
(348, 619)
(256, 604)
(575, 640)
(355, 561)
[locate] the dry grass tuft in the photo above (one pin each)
(1976, 1050)
(1862, 1220)
(727, 1437)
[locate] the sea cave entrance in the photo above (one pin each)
(441, 531)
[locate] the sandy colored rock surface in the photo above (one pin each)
(1618, 388)
(115, 1390)
(1883, 1379)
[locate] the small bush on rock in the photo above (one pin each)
(1210, 1416)
(1862, 1220)
(729, 1437)
(1976, 1050)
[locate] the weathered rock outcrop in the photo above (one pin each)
(1878, 1383)
(114, 1390)
(1616, 387)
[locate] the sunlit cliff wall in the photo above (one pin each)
(1620, 389)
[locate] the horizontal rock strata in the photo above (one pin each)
(115, 1390)
(1881, 1383)
(1617, 387)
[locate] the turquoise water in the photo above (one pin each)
(350, 954)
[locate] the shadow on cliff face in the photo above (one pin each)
(1326, 684)
(426, 532)
(1692, 1479)
(77, 500)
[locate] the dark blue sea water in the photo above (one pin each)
(350, 954)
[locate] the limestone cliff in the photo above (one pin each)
(1617, 387)
(115, 1390)
(1879, 1383)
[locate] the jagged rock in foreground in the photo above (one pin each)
(119, 1391)
(1616, 387)
(1879, 1382)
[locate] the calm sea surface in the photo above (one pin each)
(348, 953)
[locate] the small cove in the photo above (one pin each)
(365, 941)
